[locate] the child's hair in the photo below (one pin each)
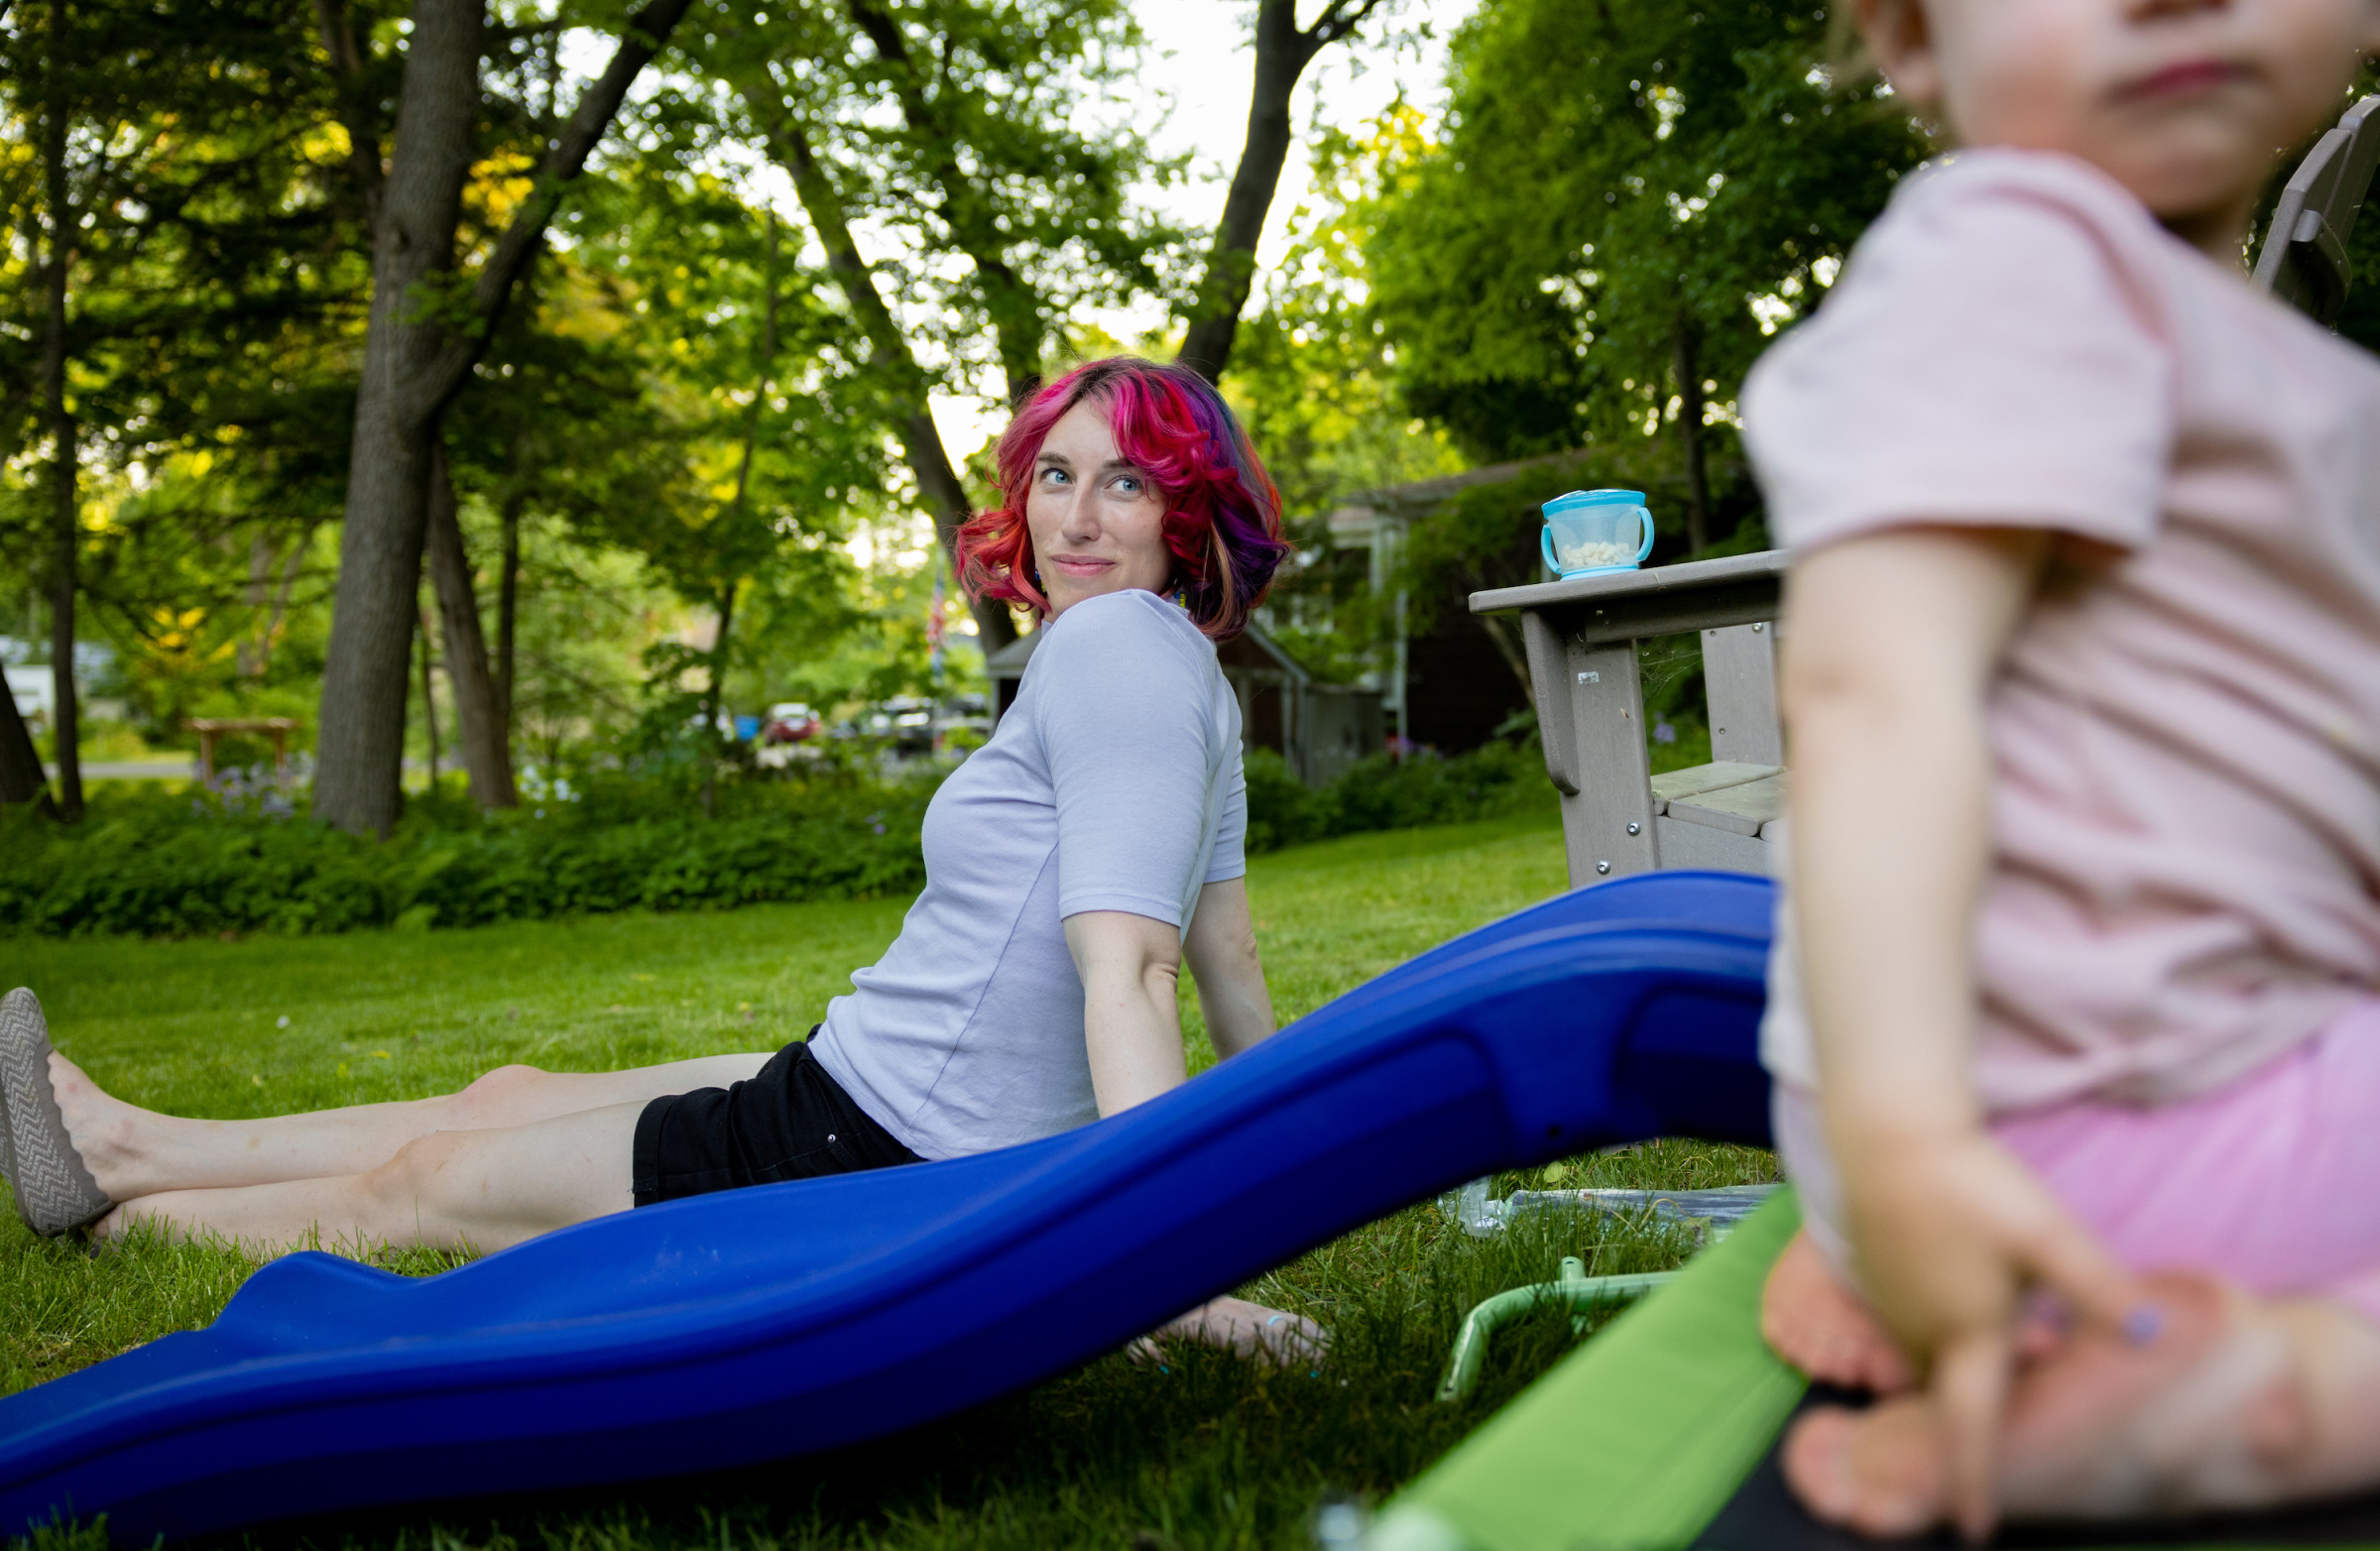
(1223, 518)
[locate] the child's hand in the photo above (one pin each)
(1951, 1233)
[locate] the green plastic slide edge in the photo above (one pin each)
(1637, 1439)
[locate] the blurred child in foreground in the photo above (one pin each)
(2076, 1002)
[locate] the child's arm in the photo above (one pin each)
(1890, 646)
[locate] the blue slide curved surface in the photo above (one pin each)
(792, 1318)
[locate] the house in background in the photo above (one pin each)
(34, 687)
(1451, 686)
(1319, 729)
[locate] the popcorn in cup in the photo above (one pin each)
(1591, 531)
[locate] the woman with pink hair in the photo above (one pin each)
(1073, 865)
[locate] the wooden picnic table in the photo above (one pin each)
(209, 728)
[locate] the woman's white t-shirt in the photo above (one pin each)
(1114, 783)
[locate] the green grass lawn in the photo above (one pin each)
(1211, 1453)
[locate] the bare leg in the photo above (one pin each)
(134, 1152)
(2237, 1403)
(1813, 1321)
(453, 1189)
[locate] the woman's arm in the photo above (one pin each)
(1890, 647)
(1221, 946)
(1130, 964)
(1132, 1024)
(1130, 1021)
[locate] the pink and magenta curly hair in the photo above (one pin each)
(1223, 518)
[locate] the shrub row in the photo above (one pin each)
(1385, 793)
(158, 867)
(180, 866)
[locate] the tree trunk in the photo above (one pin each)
(507, 605)
(1283, 52)
(1690, 440)
(710, 701)
(414, 363)
(1515, 657)
(938, 483)
(64, 721)
(360, 743)
(281, 600)
(357, 113)
(22, 782)
(248, 657)
(478, 709)
(429, 703)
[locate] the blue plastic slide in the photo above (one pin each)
(791, 1318)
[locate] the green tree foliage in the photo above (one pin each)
(678, 398)
(1313, 373)
(756, 444)
(1628, 196)
(951, 129)
(1313, 377)
(966, 123)
(176, 253)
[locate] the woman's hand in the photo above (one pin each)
(1250, 1329)
(1950, 1233)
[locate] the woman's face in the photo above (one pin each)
(1095, 520)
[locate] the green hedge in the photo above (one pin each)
(1385, 793)
(183, 867)
(180, 866)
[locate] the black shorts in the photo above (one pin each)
(790, 1121)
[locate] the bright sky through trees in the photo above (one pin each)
(1199, 74)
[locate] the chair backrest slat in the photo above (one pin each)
(2304, 256)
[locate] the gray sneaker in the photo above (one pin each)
(55, 1192)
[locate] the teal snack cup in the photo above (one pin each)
(1588, 532)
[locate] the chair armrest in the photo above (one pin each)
(1737, 589)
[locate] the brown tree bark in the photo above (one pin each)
(65, 456)
(416, 358)
(1283, 50)
(360, 743)
(944, 493)
(1690, 438)
(478, 709)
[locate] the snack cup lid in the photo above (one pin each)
(1580, 500)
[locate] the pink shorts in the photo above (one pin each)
(2273, 1182)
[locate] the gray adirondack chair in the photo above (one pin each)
(1581, 636)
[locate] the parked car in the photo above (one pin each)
(789, 722)
(905, 721)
